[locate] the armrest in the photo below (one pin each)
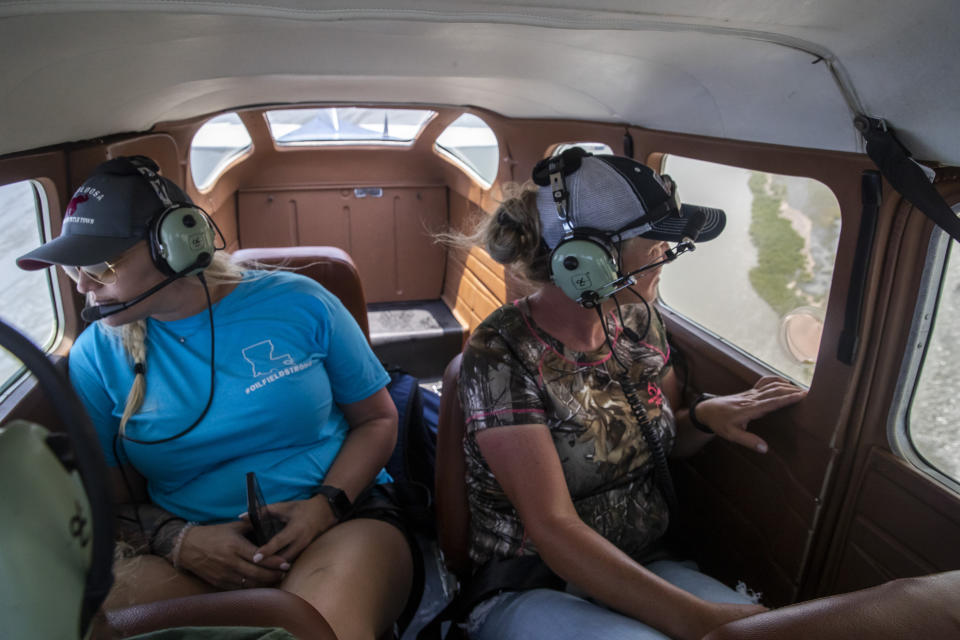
(241, 608)
(926, 607)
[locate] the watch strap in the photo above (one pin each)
(693, 413)
(339, 502)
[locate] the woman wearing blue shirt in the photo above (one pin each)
(197, 372)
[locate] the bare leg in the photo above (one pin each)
(150, 578)
(358, 575)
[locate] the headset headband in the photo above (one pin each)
(552, 171)
(148, 172)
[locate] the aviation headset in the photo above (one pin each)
(181, 236)
(583, 264)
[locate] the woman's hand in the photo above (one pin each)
(729, 416)
(222, 556)
(305, 520)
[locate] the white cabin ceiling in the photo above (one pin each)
(738, 69)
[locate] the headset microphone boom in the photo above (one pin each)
(92, 314)
(688, 243)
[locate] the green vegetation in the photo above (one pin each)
(780, 259)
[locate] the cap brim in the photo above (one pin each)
(75, 251)
(675, 229)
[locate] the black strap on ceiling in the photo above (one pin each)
(627, 144)
(904, 174)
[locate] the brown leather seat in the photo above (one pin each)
(927, 607)
(242, 608)
(330, 266)
(452, 511)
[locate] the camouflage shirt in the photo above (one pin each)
(513, 373)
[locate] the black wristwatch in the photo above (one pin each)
(339, 502)
(693, 412)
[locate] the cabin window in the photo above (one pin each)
(763, 284)
(347, 126)
(27, 299)
(470, 143)
(215, 145)
(596, 148)
(930, 435)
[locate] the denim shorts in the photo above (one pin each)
(562, 615)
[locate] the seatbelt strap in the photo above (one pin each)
(904, 174)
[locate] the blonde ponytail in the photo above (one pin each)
(134, 336)
(222, 270)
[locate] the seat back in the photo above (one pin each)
(330, 266)
(452, 510)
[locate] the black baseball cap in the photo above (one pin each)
(620, 197)
(108, 214)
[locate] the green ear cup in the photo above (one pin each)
(584, 270)
(184, 234)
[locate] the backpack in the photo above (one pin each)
(414, 458)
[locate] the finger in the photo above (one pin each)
(262, 576)
(275, 562)
(274, 545)
(280, 509)
(776, 391)
(768, 380)
(778, 401)
(293, 550)
(745, 439)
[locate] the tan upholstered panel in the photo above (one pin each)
(330, 266)
(389, 237)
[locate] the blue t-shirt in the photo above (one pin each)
(287, 353)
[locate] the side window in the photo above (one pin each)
(763, 284)
(347, 126)
(931, 431)
(27, 300)
(470, 143)
(215, 145)
(596, 148)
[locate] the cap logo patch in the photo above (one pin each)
(74, 201)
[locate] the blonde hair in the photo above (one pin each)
(222, 270)
(511, 235)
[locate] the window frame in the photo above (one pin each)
(224, 165)
(918, 345)
(370, 142)
(458, 162)
(43, 220)
(560, 147)
(657, 161)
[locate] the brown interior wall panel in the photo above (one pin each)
(226, 218)
(899, 528)
(468, 296)
(389, 237)
(474, 285)
(876, 536)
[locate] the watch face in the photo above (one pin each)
(339, 502)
